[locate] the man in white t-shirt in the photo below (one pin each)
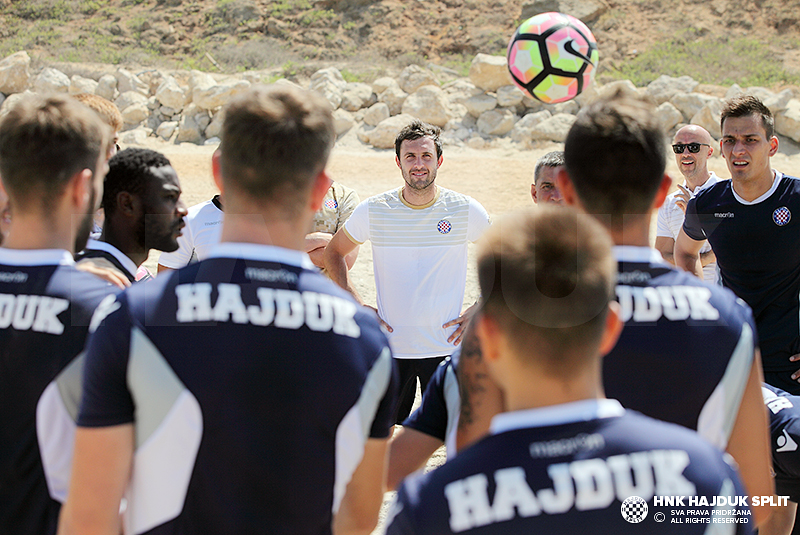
(692, 148)
(203, 225)
(419, 235)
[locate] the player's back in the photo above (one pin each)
(45, 309)
(556, 475)
(270, 380)
(686, 350)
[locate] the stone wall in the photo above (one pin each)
(482, 110)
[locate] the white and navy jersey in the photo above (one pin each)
(784, 427)
(687, 348)
(438, 413)
(253, 383)
(588, 467)
(757, 245)
(106, 255)
(45, 309)
(201, 233)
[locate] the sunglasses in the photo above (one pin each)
(694, 148)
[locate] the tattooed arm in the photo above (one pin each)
(481, 399)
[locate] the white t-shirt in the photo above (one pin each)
(670, 221)
(201, 233)
(419, 255)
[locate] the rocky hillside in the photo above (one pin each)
(715, 41)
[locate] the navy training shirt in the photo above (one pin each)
(757, 245)
(569, 469)
(253, 383)
(45, 309)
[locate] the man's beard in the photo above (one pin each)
(85, 228)
(420, 186)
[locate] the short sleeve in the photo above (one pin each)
(384, 417)
(478, 220)
(106, 400)
(357, 225)
(691, 223)
(662, 225)
(348, 204)
(183, 254)
(431, 416)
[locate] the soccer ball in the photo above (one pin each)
(552, 57)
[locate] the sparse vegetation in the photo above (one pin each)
(745, 61)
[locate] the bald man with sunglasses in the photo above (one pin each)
(692, 146)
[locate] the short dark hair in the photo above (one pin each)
(546, 276)
(44, 142)
(552, 160)
(615, 156)
(746, 105)
(415, 130)
(275, 141)
(129, 170)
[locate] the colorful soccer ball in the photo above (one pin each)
(552, 57)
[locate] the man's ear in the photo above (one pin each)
(663, 191)
(533, 193)
(566, 188)
(397, 161)
(318, 190)
(612, 330)
(216, 169)
(128, 204)
(773, 145)
(488, 332)
(80, 191)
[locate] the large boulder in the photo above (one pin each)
(708, 117)
(107, 87)
(553, 128)
(787, 122)
(480, 104)
(780, 101)
(690, 103)
(127, 81)
(489, 72)
(509, 96)
(216, 96)
(428, 103)
(356, 95)
(384, 134)
(166, 129)
(342, 121)
(15, 73)
(133, 106)
(383, 83)
(329, 83)
(170, 94)
(665, 87)
(79, 84)
(496, 122)
(523, 129)
(668, 115)
(51, 81)
(585, 10)
(189, 130)
(394, 97)
(376, 113)
(459, 91)
(214, 128)
(413, 77)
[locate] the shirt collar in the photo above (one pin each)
(776, 180)
(35, 257)
(264, 253)
(567, 413)
(127, 263)
(632, 253)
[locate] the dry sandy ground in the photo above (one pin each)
(499, 179)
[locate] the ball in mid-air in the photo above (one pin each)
(553, 57)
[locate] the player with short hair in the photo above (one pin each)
(419, 236)
(748, 222)
(688, 353)
(562, 459)
(143, 211)
(52, 162)
(692, 148)
(245, 393)
(544, 188)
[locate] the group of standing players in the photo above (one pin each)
(247, 393)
